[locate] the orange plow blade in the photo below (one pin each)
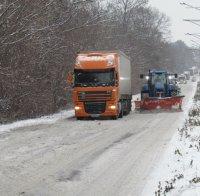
(159, 103)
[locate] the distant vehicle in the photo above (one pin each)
(194, 79)
(193, 71)
(173, 80)
(102, 84)
(187, 74)
(182, 79)
(159, 91)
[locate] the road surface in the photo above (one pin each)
(86, 158)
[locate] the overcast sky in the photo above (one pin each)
(177, 13)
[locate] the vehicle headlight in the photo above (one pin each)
(77, 108)
(170, 77)
(112, 107)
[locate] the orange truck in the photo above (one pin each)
(102, 84)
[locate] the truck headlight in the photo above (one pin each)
(77, 108)
(112, 107)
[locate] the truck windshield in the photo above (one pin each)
(94, 78)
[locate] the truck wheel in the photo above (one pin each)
(79, 118)
(121, 113)
(115, 117)
(128, 107)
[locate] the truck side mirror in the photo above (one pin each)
(176, 75)
(70, 78)
(117, 82)
(141, 76)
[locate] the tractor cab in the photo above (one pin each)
(158, 84)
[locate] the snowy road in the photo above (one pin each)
(86, 158)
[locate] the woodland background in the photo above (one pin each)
(39, 41)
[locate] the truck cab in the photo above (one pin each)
(101, 87)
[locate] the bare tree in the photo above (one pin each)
(39, 41)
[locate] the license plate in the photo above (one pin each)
(95, 115)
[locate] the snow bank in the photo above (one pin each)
(134, 98)
(50, 119)
(180, 163)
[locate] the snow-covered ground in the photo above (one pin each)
(86, 158)
(50, 119)
(178, 173)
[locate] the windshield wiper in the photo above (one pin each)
(91, 84)
(105, 84)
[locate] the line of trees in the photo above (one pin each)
(39, 41)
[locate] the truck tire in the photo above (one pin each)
(130, 105)
(114, 117)
(79, 118)
(121, 114)
(127, 108)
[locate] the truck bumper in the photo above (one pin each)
(111, 109)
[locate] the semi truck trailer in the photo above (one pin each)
(102, 84)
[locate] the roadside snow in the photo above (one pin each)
(179, 171)
(50, 119)
(135, 97)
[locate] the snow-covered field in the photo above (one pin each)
(58, 155)
(178, 174)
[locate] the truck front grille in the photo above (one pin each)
(94, 96)
(95, 107)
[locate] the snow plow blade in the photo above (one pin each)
(159, 103)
